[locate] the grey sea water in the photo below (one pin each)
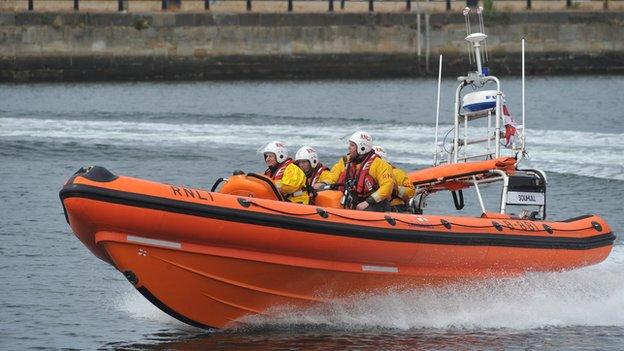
(54, 294)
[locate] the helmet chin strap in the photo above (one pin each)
(359, 158)
(274, 168)
(311, 170)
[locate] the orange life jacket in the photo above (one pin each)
(316, 174)
(365, 183)
(279, 171)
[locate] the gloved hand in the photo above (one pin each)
(322, 186)
(362, 206)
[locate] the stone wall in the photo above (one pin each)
(169, 46)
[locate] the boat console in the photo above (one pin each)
(483, 130)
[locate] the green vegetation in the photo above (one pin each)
(492, 15)
(141, 23)
(488, 6)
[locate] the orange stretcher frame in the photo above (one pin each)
(449, 176)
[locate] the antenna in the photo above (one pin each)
(466, 13)
(435, 143)
(482, 29)
(523, 122)
(476, 39)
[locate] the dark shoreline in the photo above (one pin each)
(323, 68)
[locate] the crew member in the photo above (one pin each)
(307, 159)
(403, 190)
(366, 178)
(289, 179)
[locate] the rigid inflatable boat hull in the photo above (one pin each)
(214, 290)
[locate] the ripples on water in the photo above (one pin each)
(306, 338)
(55, 294)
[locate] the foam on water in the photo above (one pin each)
(136, 306)
(592, 296)
(569, 152)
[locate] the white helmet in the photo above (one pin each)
(363, 141)
(307, 153)
(278, 148)
(381, 152)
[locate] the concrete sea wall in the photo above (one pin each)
(194, 46)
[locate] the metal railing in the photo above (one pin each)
(122, 5)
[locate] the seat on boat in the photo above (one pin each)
(261, 187)
(328, 199)
(251, 185)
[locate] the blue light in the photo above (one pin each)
(485, 71)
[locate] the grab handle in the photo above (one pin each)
(278, 195)
(216, 184)
(458, 204)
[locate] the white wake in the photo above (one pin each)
(569, 152)
(592, 296)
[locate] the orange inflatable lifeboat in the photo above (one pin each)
(209, 258)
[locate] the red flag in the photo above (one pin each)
(510, 127)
